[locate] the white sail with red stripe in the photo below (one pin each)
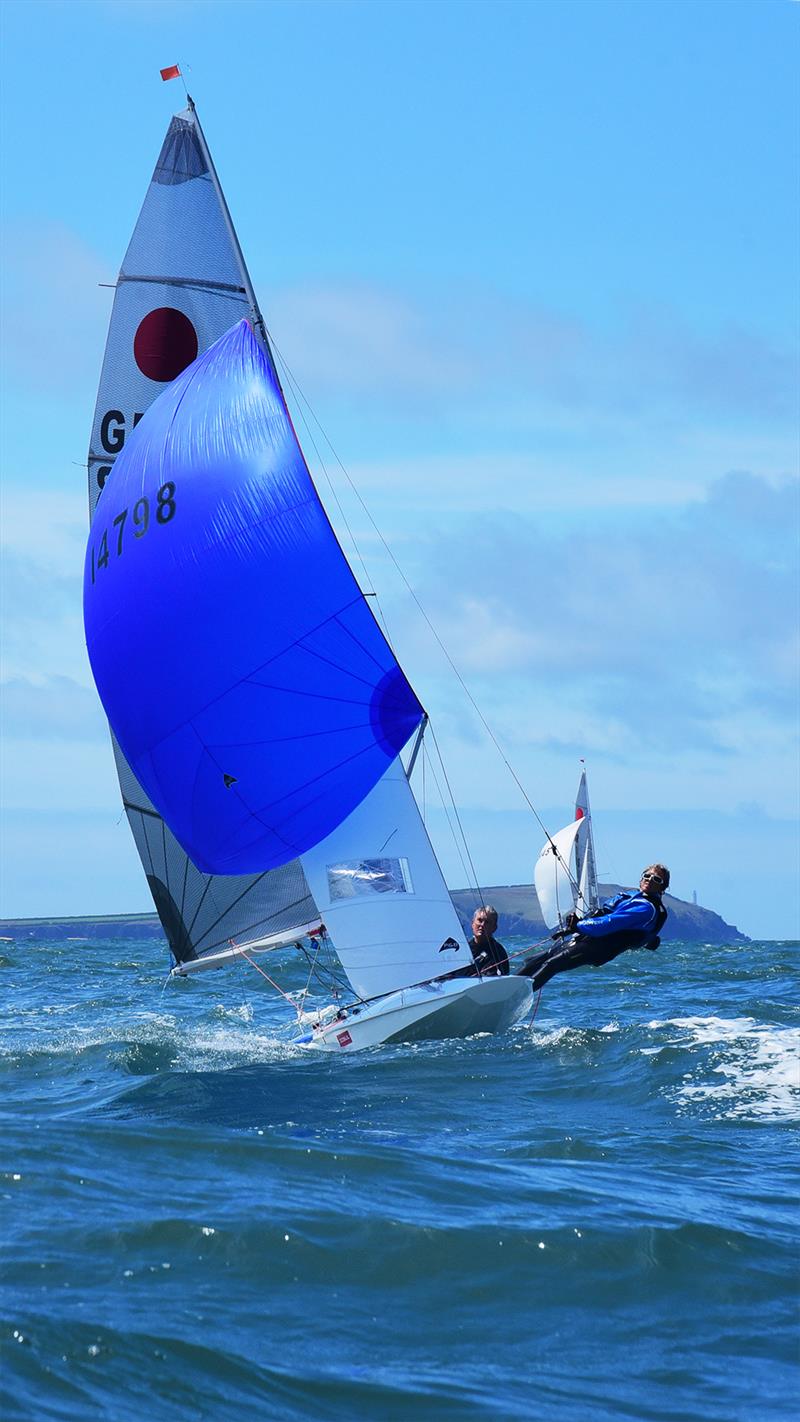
(585, 863)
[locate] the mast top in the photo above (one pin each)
(173, 71)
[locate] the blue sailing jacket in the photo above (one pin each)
(634, 915)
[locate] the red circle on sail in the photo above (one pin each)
(164, 344)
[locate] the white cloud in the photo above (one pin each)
(55, 314)
(46, 527)
(70, 861)
(467, 345)
(365, 340)
(51, 707)
(549, 482)
(41, 566)
(664, 645)
(58, 774)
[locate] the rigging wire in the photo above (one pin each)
(324, 972)
(248, 1010)
(303, 995)
(456, 844)
(474, 881)
(270, 980)
(300, 395)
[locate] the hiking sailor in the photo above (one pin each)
(622, 922)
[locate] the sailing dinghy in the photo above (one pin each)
(565, 875)
(257, 710)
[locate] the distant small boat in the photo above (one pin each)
(258, 711)
(565, 875)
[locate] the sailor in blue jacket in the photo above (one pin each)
(623, 922)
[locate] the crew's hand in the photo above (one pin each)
(571, 921)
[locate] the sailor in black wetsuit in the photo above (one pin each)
(624, 922)
(489, 957)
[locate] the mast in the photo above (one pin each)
(256, 316)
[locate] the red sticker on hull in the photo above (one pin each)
(344, 1039)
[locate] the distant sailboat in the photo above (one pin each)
(257, 709)
(565, 875)
(585, 862)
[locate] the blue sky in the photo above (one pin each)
(535, 268)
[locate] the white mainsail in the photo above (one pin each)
(553, 875)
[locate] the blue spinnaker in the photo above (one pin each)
(241, 669)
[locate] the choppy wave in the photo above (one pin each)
(757, 1061)
(591, 1217)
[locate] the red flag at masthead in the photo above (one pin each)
(173, 72)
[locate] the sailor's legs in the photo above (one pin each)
(560, 960)
(530, 966)
(580, 952)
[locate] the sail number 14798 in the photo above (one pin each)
(142, 516)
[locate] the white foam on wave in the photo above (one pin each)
(146, 1029)
(709, 1029)
(216, 1048)
(229, 1039)
(240, 1014)
(553, 1036)
(757, 1061)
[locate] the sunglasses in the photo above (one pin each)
(653, 879)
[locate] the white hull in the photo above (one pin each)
(432, 1011)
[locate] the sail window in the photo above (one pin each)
(361, 877)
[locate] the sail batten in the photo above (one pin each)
(198, 283)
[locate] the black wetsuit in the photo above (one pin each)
(600, 939)
(489, 957)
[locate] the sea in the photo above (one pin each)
(592, 1216)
